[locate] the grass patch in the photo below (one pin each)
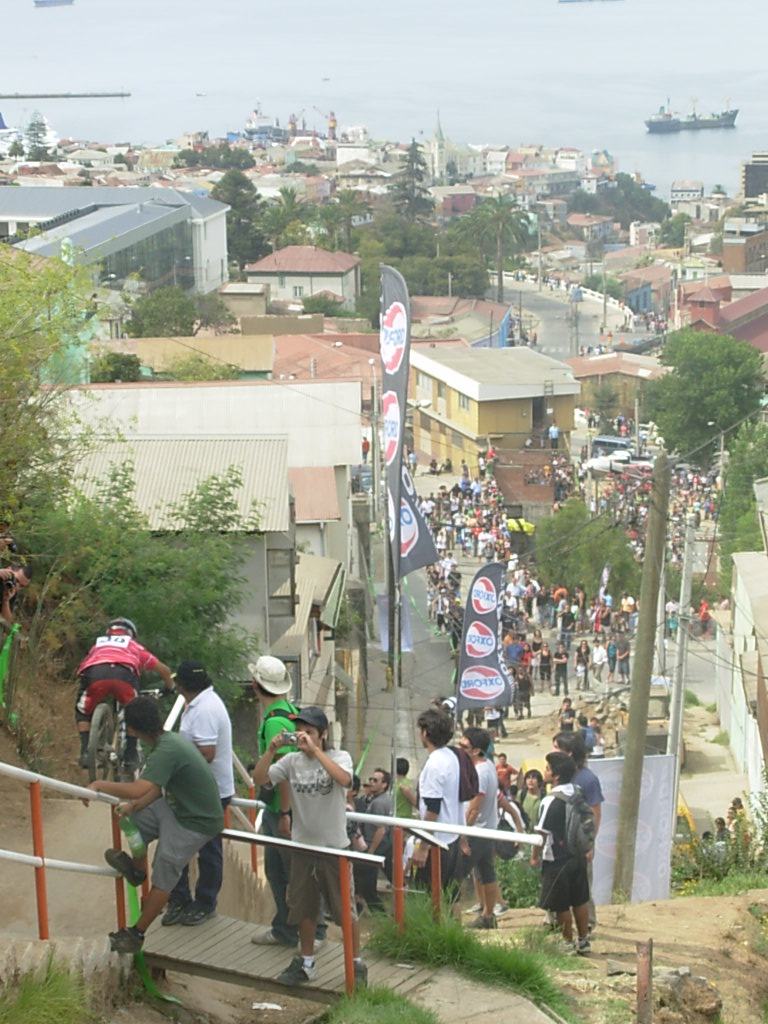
(691, 700)
(722, 738)
(378, 1006)
(520, 884)
(52, 996)
(447, 944)
(711, 708)
(733, 884)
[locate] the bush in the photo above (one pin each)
(520, 884)
(53, 996)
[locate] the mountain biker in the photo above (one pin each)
(112, 668)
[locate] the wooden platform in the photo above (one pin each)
(221, 949)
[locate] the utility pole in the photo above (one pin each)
(375, 453)
(605, 299)
(677, 703)
(637, 424)
(631, 782)
(538, 224)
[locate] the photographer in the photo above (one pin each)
(14, 579)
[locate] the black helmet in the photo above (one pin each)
(121, 626)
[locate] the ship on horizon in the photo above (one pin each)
(667, 122)
(54, 3)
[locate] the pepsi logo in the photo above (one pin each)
(480, 640)
(481, 683)
(390, 514)
(391, 410)
(393, 336)
(409, 529)
(483, 596)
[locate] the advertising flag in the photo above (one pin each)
(412, 544)
(484, 680)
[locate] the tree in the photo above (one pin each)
(737, 514)
(409, 194)
(110, 367)
(16, 149)
(714, 383)
(37, 131)
(245, 239)
(212, 312)
(672, 231)
(351, 205)
(164, 313)
(198, 367)
(571, 548)
(625, 201)
(613, 287)
(500, 219)
(45, 320)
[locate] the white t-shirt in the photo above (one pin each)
(205, 721)
(439, 779)
(599, 655)
(488, 785)
(318, 802)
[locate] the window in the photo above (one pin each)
(298, 291)
(464, 402)
(423, 382)
(281, 280)
(441, 390)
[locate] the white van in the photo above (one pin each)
(608, 444)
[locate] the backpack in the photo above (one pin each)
(579, 823)
(469, 786)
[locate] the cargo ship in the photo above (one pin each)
(666, 122)
(54, 3)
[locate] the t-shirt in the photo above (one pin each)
(205, 722)
(488, 785)
(318, 802)
(118, 650)
(439, 779)
(185, 777)
(271, 726)
(381, 804)
(403, 806)
(590, 786)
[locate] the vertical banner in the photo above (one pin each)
(483, 677)
(412, 544)
(605, 576)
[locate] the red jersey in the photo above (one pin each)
(118, 650)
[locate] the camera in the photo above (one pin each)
(289, 739)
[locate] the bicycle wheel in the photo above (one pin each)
(100, 743)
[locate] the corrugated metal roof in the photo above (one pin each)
(314, 489)
(291, 643)
(167, 468)
(495, 374)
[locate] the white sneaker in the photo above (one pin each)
(474, 909)
(500, 909)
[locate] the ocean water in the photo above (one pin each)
(572, 74)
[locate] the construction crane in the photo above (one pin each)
(292, 122)
(332, 122)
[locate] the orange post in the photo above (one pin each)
(36, 810)
(345, 893)
(252, 817)
(398, 882)
(226, 818)
(437, 888)
(119, 884)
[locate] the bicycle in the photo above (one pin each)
(106, 744)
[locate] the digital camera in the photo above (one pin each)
(289, 739)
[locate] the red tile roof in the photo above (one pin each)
(304, 259)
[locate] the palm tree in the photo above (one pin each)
(351, 204)
(501, 219)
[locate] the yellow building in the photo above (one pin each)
(465, 399)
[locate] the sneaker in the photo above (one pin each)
(500, 909)
(268, 938)
(475, 909)
(173, 914)
(483, 922)
(320, 941)
(361, 974)
(83, 760)
(583, 946)
(195, 914)
(122, 863)
(297, 973)
(127, 940)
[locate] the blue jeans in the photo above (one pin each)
(210, 864)
(277, 867)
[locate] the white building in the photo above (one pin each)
(300, 271)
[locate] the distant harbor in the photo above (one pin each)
(54, 3)
(63, 95)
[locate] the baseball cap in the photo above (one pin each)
(313, 716)
(193, 672)
(271, 675)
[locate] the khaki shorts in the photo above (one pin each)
(313, 876)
